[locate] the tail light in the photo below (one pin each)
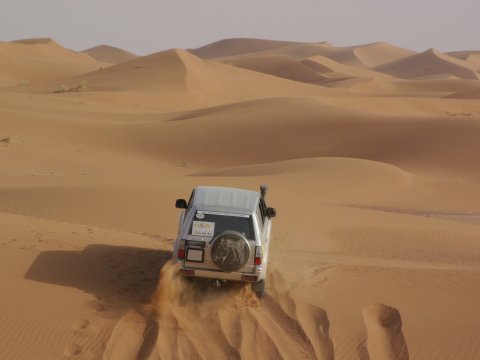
(258, 255)
(181, 249)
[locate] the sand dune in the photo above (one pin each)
(471, 57)
(307, 127)
(255, 47)
(368, 55)
(230, 47)
(177, 67)
(380, 53)
(109, 54)
(37, 60)
(317, 69)
(373, 85)
(321, 64)
(429, 87)
(474, 60)
(187, 82)
(301, 51)
(371, 163)
(463, 55)
(168, 68)
(317, 62)
(279, 65)
(428, 63)
(348, 68)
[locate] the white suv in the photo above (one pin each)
(224, 235)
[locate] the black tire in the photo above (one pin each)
(230, 251)
(259, 289)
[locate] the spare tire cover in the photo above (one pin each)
(230, 251)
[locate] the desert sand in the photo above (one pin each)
(371, 155)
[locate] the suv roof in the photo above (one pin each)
(223, 198)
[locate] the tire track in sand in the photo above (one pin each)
(185, 321)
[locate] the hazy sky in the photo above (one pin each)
(145, 26)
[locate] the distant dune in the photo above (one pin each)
(463, 55)
(189, 82)
(434, 86)
(428, 63)
(316, 69)
(34, 41)
(302, 62)
(325, 65)
(380, 53)
(368, 55)
(109, 54)
(230, 47)
(35, 60)
(471, 57)
(282, 66)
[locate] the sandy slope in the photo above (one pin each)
(375, 252)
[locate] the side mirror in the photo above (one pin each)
(181, 204)
(271, 212)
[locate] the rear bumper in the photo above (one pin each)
(222, 275)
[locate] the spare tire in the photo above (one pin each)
(230, 251)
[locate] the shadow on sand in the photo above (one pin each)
(118, 276)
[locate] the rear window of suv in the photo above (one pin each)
(212, 223)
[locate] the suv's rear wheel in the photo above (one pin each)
(259, 288)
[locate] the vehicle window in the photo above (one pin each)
(209, 223)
